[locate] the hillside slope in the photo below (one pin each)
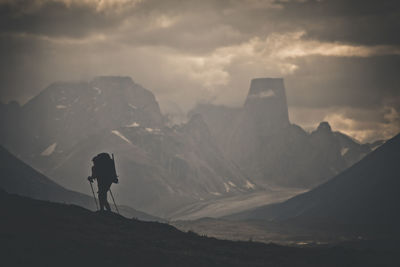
(39, 233)
(19, 178)
(366, 193)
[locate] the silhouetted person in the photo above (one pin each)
(103, 171)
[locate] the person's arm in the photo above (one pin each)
(94, 175)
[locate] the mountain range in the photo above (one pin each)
(161, 168)
(365, 194)
(219, 153)
(271, 150)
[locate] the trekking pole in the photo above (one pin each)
(94, 196)
(114, 201)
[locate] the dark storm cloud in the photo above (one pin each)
(14, 65)
(56, 19)
(357, 21)
(205, 25)
(367, 22)
(198, 26)
(345, 81)
(358, 96)
(209, 50)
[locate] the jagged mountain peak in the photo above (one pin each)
(261, 139)
(198, 129)
(197, 122)
(99, 88)
(66, 112)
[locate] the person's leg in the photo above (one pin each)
(103, 189)
(106, 202)
(102, 199)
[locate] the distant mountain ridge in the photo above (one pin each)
(366, 193)
(220, 153)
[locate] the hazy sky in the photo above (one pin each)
(340, 58)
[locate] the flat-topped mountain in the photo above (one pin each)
(266, 106)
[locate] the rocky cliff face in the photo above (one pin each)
(268, 148)
(160, 170)
(266, 105)
(66, 112)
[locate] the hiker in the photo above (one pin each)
(103, 170)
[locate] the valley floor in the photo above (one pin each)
(229, 205)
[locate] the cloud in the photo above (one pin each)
(333, 54)
(292, 45)
(344, 81)
(365, 125)
(367, 130)
(365, 22)
(75, 19)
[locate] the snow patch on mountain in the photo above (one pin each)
(132, 106)
(344, 150)
(61, 106)
(117, 133)
(49, 150)
(133, 124)
(98, 90)
(227, 188)
(249, 185)
(151, 130)
(263, 94)
(231, 184)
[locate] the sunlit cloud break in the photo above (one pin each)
(292, 45)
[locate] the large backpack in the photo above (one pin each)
(104, 166)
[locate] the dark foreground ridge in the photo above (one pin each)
(40, 233)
